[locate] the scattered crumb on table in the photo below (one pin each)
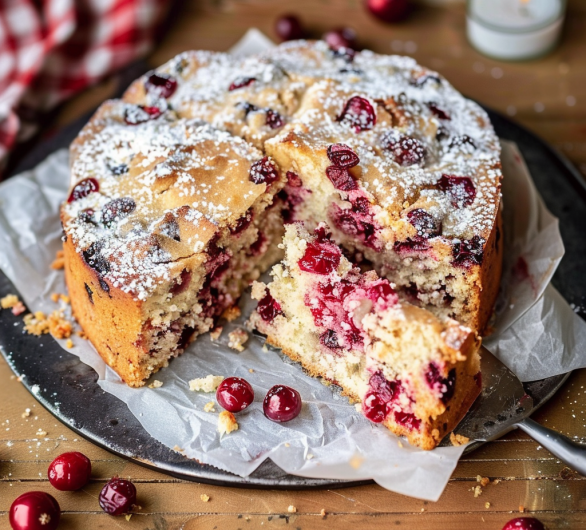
(477, 491)
(216, 332)
(59, 262)
(204, 497)
(484, 481)
(292, 509)
(69, 344)
(458, 440)
(232, 313)
(209, 407)
(323, 513)
(9, 301)
(487, 505)
(238, 339)
(38, 324)
(156, 384)
(209, 383)
(227, 423)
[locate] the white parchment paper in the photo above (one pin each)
(537, 335)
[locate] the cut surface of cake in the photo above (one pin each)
(412, 371)
(180, 191)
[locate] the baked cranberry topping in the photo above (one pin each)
(468, 252)
(411, 244)
(263, 171)
(361, 205)
(320, 258)
(341, 38)
(163, 85)
(422, 80)
(242, 223)
(241, 82)
(524, 523)
(34, 510)
(462, 142)
(94, 258)
(117, 496)
(461, 190)
(288, 27)
(424, 223)
(70, 471)
(83, 188)
(341, 178)
(181, 284)
(405, 150)
(117, 209)
(87, 216)
(445, 386)
(329, 339)
(282, 403)
(438, 111)
(137, 114)
(234, 394)
(342, 155)
(293, 179)
(359, 114)
(268, 308)
(274, 120)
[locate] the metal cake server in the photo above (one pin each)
(504, 405)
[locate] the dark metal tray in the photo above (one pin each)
(106, 421)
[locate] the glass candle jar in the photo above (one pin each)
(515, 29)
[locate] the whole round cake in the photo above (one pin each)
(181, 190)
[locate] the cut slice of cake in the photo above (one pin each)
(412, 371)
(167, 222)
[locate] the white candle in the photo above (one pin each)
(515, 29)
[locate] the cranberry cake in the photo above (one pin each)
(180, 191)
(412, 371)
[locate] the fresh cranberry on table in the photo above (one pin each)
(282, 403)
(234, 394)
(83, 188)
(340, 38)
(34, 510)
(161, 84)
(268, 308)
(359, 114)
(524, 523)
(389, 10)
(263, 171)
(70, 471)
(288, 27)
(117, 496)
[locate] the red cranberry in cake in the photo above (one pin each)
(321, 257)
(341, 38)
(242, 224)
(288, 27)
(136, 114)
(425, 224)
(524, 523)
(94, 258)
(274, 120)
(358, 114)
(468, 252)
(83, 188)
(438, 111)
(329, 339)
(282, 403)
(241, 82)
(235, 394)
(70, 471)
(263, 171)
(117, 209)
(341, 178)
(161, 84)
(357, 223)
(117, 496)
(34, 510)
(293, 179)
(342, 156)
(411, 244)
(181, 284)
(268, 308)
(405, 150)
(461, 190)
(444, 386)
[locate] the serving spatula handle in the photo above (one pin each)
(569, 452)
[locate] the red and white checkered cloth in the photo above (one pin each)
(50, 49)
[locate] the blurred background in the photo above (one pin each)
(547, 94)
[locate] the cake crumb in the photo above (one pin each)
(18, 309)
(26, 413)
(59, 262)
(69, 344)
(291, 509)
(232, 313)
(55, 297)
(458, 440)
(9, 301)
(258, 290)
(216, 332)
(521, 508)
(178, 449)
(81, 334)
(484, 481)
(128, 516)
(227, 423)
(209, 407)
(323, 513)
(356, 461)
(251, 370)
(204, 497)
(64, 298)
(41, 433)
(477, 491)
(400, 444)
(238, 338)
(309, 456)
(38, 324)
(209, 383)
(487, 505)
(156, 384)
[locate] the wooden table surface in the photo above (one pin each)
(546, 95)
